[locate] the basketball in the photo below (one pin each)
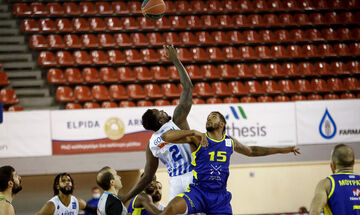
(153, 9)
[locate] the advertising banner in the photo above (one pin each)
(321, 122)
(25, 134)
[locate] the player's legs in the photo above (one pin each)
(219, 203)
(179, 184)
(176, 206)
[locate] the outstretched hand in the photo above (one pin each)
(294, 150)
(202, 137)
(171, 52)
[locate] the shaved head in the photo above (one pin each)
(343, 156)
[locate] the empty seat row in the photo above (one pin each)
(187, 22)
(197, 6)
(205, 89)
(230, 53)
(213, 100)
(205, 72)
(74, 9)
(56, 41)
(8, 96)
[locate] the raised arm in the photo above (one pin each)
(320, 198)
(183, 108)
(146, 202)
(185, 136)
(253, 151)
(152, 163)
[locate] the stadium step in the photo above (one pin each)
(9, 31)
(27, 83)
(4, 8)
(12, 39)
(8, 23)
(13, 48)
(23, 74)
(19, 65)
(5, 15)
(32, 92)
(37, 102)
(15, 57)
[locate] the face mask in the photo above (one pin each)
(96, 196)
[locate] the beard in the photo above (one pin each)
(66, 191)
(16, 188)
(156, 197)
(210, 128)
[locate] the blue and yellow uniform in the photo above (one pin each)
(136, 211)
(344, 196)
(208, 192)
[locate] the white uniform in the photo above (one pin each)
(60, 209)
(176, 157)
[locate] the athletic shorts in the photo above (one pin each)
(179, 184)
(200, 200)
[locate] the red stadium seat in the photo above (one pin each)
(64, 94)
(139, 39)
(214, 101)
(90, 41)
(143, 73)
(170, 90)
(98, 57)
(199, 54)
(184, 55)
(282, 36)
(123, 39)
(38, 42)
(150, 55)
(344, 34)
(193, 22)
(275, 5)
(118, 92)
(91, 105)
(56, 41)
(100, 92)
(155, 39)
(71, 9)
(243, 71)
(332, 18)
(295, 51)
(251, 36)
(231, 100)
(82, 58)
(171, 38)
(303, 85)
(21, 9)
(104, 8)
(317, 18)
(342, 49)
(313, 34)
(348, 17)
(126, 74)
(271, 20)
(108, 104)
(298, 35)
(287, 86)
(209, 21)
(198, 6)
(129, 23)
(264, 99)
(286, 19)
(174, 75)
(329, 34)
(83, 93)
(279, 51)
(298, 98)
(210, 72)
(113, 23)
(108, 75)
(30, 26)
(120, 7)
(255, 20)
(254, 87)
(72, 41)
(302, 19)
(319, 85)
(160, 73)
(38, 9)
(91, 75)
(136, 91)
(226, 71)
(310, 51)
(204, 37)
(177, 22)
(221, 88)
(204, 89)
(162, 102)
(80, 24)
(263, 52)
(331, 96)
(73, 76)
(323, 68)
(215, 6)
(259, 70)
(326, 50)
(224, 21)
(220, 37)
(127, 104)
(247, 99)
(291, 69)
(355, 49)
(270, 87)
(3, 79)
(63, 25)
(153, 91)
(354, 67)
(182, 6)
(247, 52)
(87, 8)
(16, 108)
(275, 70)
(237, 88)
(335, 85)
(163, 23)
(64, 58)
(133, 56)
(307, 69)
(144, 103)
(231, 53)
(188, 38)
(47, 59)
(134, 7)
(194, 72)
(116, 57)
(339, 68)
(170, 7)
(235, 37)
(240, 20)
(97, 24)
(281, 98)
(348, 96)
(267, 36)
(314, 97)
(352, 84)
(106, 40)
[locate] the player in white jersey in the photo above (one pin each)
(63, 201)
(176, 157)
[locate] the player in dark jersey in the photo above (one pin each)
(10, 184)
(211, 152)
(338, 194)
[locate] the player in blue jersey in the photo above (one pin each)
(208, 193)
(338, 194)
(176, 157)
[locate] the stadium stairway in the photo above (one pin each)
(21, 68)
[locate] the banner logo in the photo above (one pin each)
(327, 127)
(237, 113)
(114, 128)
